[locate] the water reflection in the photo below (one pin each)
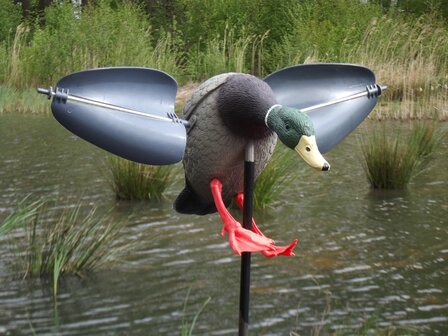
(361, 253)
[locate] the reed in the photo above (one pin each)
(411, 57)
(187, 327)
(273, 179)
(135, 181)
(392, 160)
(62, 240)
(226, 53)
(407, 53)
(24, 211)
(69, 242)
(22, 101)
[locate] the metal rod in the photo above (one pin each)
(377, 90)
(249, 180)
(116, 108)
(65, 96)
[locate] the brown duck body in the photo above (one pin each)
(225, 113)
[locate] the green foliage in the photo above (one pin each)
(391, 160)
(272, 16)
(4, 61)
(225, 53)
(324, 30)
(10, 17)
(99, 36)
(195, 39)
(135, 181)
(420, 7)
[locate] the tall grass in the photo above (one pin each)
(323, 30)
(273, 179)
(135, 181)
(392, 160)
(188, 327)
(60, 240)
(226, 53)
(24, 211)
(22, 101)
(411, 57)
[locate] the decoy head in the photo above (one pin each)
(295, 129)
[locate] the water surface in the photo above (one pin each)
(362, 254)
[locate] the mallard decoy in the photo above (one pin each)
(129, 112)
(226, 113)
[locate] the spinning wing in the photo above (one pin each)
(127, 111)
(338, 97)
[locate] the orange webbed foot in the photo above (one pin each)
(240, 239)
(276, 250)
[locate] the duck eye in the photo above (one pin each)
(308, 148)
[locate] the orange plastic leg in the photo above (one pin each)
(240, 239)
(279, 250)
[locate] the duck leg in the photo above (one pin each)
(279, 250)
(240, 239)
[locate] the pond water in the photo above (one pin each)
(362, 255)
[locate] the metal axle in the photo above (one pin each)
(371, 91)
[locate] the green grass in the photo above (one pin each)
(392, 160)
(62, 241)
(22, 101)
(226, 53)
(134, 181)
(273, 179)
(188, 327)
(24, 211)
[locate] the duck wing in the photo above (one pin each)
(303, 86)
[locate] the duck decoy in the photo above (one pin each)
(130, 112)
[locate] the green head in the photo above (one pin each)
(295, 129)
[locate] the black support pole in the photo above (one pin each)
(249, 180)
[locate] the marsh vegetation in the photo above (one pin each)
(53, 240)
(408, 52)
(392, 159)
(135, 181)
